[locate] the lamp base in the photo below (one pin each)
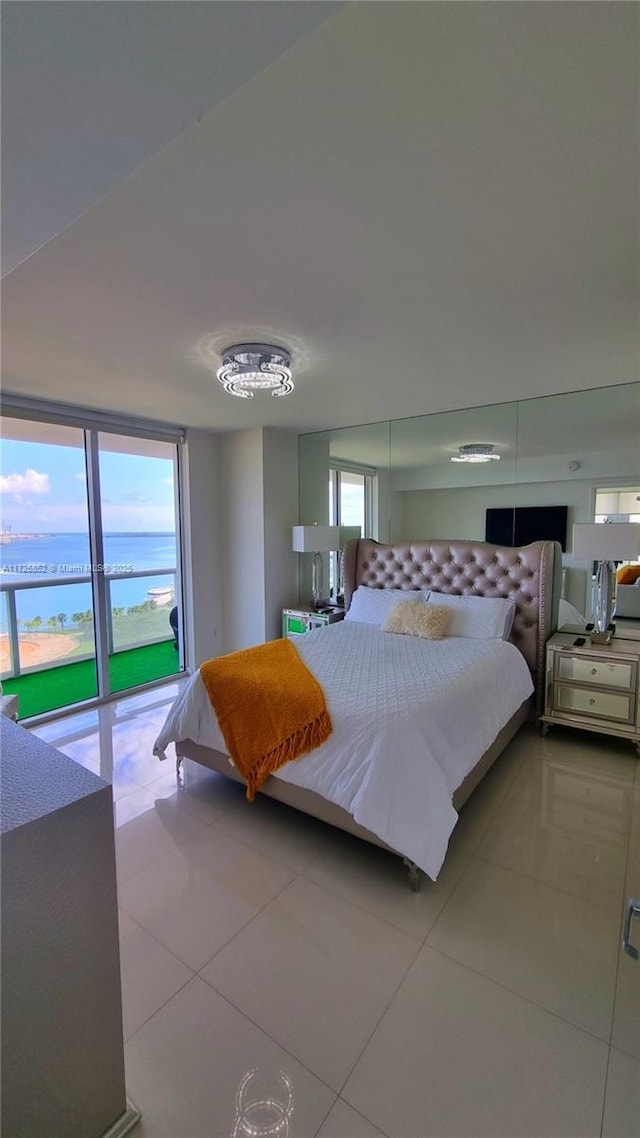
(603, 604)
(601, 637)
(317, 584)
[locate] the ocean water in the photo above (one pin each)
(47, 556)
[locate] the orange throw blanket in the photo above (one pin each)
(269, 706)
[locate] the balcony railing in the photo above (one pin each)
(125, 628)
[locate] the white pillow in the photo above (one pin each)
(372, 606)
(480, 618)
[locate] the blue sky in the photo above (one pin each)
(43, 490)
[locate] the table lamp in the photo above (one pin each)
(605, 542)
(317, 540)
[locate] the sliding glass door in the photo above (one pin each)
(47, 636)
(142, 588)
(90, 582)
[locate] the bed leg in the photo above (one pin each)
(179, 771)
(415, 874)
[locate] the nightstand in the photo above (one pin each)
(593, 686)
(297, 621)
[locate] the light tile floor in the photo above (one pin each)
(280, 978)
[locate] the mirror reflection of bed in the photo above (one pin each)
(417, 722)
(554, 450)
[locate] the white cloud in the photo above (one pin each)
(31, 482)
(80, 476)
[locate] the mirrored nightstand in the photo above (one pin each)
(593, 686)
(295, 622)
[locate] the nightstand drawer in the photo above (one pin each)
(602, 673)
(600, 704)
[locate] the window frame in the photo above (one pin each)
(369, 473)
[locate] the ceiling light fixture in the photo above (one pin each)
(475, 452)
(255, 367)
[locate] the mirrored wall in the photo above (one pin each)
(556, 451)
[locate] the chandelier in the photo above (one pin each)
(475, 452)
(255, 367)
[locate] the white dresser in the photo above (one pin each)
(62, 1051)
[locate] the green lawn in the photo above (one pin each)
(54, 688)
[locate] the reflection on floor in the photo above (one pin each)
(281, 978)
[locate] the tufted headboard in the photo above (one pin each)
(530, 574)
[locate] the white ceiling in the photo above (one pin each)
(91, 91)
(434, 205)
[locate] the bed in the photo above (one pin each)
(397, 768)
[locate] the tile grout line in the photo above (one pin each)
(155, 859)
(362, 908)
(269, 856)
(518, 995)
(375, 1028)
(267, 1035)
(477, 972)
(539, 881)
(409, 966)
(356, 1111)
(159, 1009)
(248, 922)
(604, 1092)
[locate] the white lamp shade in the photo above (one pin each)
(606, 541)
(349, 533)
(316, 539)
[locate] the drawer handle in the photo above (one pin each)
(632, 909)
(594, 671)
(592, 701)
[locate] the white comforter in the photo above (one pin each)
(411, 717)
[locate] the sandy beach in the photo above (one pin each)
(37, 648)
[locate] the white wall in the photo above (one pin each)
(461, 514)
(280, 511)
(242, 538)
(314, 503)
(240, 500)
(258, 479)
(202, 563)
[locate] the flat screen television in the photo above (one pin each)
(520, 525)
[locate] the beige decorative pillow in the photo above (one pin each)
(418, 618)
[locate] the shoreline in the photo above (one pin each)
(38, 648)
